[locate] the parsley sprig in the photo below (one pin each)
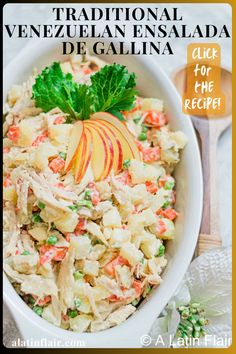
(111, 90)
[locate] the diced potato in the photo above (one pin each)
(170, 230)
(82, 246)
(112, 218)
(119, 236)
(140, 173)
(170, 156)
(50, 315)
(124, 275)
(67, 223)
(137, 222)
(39, 233)
(60, 134)
(41, 155)
(91, 267)
(179, 138)
(131, 253)
(104, 190)
(9, 193)
(85, 306)
(156, 264)
(14, 94)
(125, 210)
(139, 194)
(80, 323)
(152, 104)
(27, 131)
(66, 67)
(99, 292)
(25, 264)
(49, 213)
(97, 252)
(150, 244)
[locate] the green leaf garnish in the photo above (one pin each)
(111, 90)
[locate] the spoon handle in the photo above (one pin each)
(210, 226)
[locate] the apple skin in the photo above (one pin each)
(109, 146)
(117, 147)
(74, 139)
(116, 123)
(84, 156)
(100, 154)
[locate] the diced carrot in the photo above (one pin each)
(161, 227)
(59, 120)
(87, 70)
(60, 253)
(155, 118)
(161, 182)
(6, 150)
(59, 185)
(57, 164)
(151, 187)
(49, 253)
(137, 285)
(110, 267)
(168, 213)
(95, 197)
(40, 139)
(124, 177)
(42, 302)
(13, 133)
(151, 154)
(80, 227)
(7, 181)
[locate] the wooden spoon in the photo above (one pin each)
(208, 132)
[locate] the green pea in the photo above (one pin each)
(25, 253)
(136, 120)
(36, 218)
(78, 275)
(169, 185)
(161, 251)
(41, 205)
(73, 313)
(53, 226)
(84, 203)
(63, 155)
(87, 194)
(73, 208)
(144, 128)
(31, 300)
(52, 240)
(142, 136)
(38, 310)
(166, 204)
(126, 164)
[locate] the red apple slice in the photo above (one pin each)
(116, 123)
(84, 156)
(109, 146)
(74, 141)
(117, 147)
(100, 153)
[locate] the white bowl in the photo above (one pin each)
(152, 82)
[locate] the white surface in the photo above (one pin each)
(217, 14)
